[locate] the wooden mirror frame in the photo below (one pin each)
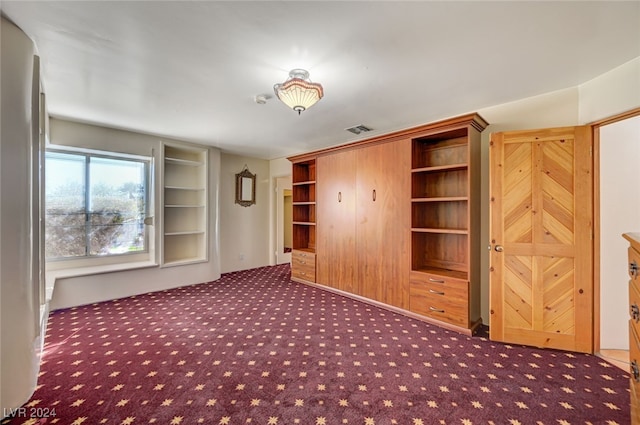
(245, 188)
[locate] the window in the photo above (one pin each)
(95, 205)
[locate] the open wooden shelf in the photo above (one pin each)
(303, 262)
(444, 231)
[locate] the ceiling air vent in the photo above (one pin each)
(358, 129)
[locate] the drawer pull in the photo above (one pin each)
(635, 312)
(303, 262)
(635, 371)
(436, 280)
(437, 310)
(633, 269)
(433, 291)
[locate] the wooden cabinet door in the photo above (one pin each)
(541, 280)
(383, 220)
(336, 238)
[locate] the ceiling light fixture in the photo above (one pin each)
(298, 92)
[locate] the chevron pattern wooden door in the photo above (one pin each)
(541, 279)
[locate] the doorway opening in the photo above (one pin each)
(284, 218)
(617, 203)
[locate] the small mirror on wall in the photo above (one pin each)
(245, 188)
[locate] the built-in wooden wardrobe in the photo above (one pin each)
(395, 221)
(362, 240)
(634, 323)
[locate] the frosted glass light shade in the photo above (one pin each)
(298, 92)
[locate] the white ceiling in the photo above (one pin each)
(190, 70)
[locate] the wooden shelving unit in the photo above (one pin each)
(303, 260)
(397, 222)
(184, 230)
(444, 280)
(439, 209)
(304, 206)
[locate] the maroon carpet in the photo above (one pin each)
(256, 348)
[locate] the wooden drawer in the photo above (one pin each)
(439, 297)
(634, 357)
(303, 265)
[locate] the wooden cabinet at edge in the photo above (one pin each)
(634, 323)
(363, 221)
(398, 221)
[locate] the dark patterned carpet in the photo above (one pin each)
(256, 348)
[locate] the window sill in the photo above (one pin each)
(53, 275)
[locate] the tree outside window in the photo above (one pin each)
(95, 205)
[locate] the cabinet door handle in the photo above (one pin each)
(635, 312)
(633, 269)
(433, 291)
(339, 196)
(635, 371)
(436, 280)
(373, 195)
(437, 310)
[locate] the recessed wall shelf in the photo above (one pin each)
(184, 230)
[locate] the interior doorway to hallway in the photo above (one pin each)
(284, 217)
(617, 153)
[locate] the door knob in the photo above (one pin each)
(499, 248)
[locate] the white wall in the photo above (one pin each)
(20, 308)
(619, 213)
(283, 218)
(244, 231)
(280, 167)
(79, 290)
(611, 93)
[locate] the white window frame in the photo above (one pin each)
(112, 261)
